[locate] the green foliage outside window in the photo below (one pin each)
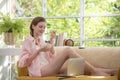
(63, 7)
(102, 27)
(95, 27)
(27, 8)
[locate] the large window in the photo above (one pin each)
(94, 23)
(87, 22)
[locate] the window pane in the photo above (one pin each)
(27, 8)
(102, 28)
(102, 7)
(63, 7)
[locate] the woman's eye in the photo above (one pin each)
(40, 26)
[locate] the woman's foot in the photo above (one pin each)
(99, 72)
(111, 72)
(114, 72)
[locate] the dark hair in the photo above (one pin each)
(34, 22)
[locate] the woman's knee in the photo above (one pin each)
(67, 50)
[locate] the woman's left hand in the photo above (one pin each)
(53, 34)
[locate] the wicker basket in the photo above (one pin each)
(9, 38)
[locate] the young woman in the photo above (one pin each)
(40, 57)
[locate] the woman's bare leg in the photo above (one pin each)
(55, 66)
(111, 71)
(63, 69)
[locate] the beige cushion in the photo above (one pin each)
(102, 57)
(99, 56)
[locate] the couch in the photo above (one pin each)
(98, 56)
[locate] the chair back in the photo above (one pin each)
(119, 74)
(22, 71)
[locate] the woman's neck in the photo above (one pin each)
(37, 39)
(36, 36)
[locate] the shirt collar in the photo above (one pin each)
(31, 38)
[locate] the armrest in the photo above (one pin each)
(37, 78)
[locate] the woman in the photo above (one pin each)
(40, 57)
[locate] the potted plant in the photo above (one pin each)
(11, 29)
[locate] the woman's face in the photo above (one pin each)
(39, 29)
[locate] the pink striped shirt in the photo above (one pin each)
(29, 47)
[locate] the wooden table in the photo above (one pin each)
(91, 78)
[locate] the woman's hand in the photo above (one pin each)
(53, 34)
(46, 47)
(52, 37)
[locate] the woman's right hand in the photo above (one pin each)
(45, 47)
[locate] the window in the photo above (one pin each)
(87, 22)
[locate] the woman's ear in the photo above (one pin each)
(33, 27)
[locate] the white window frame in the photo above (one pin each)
(82, 39)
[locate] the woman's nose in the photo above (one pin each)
(43, 29)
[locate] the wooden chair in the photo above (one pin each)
(23, 75)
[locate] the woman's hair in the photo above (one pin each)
(34, 22)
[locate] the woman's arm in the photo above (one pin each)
(32, 57)
(27, 57)
(52, 37)
(43, 48)
(25, 53)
